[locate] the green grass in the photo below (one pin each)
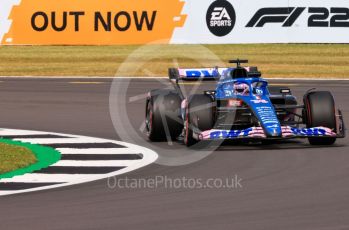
(13, 157)
(274, 60)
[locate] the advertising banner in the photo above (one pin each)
(109, 22)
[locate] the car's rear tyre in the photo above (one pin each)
(173, 73)
(199, 116)
(162, 116)
(320, 111)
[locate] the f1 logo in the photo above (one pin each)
(285, 15)
(220, 13)
(317, 16)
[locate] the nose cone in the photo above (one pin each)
(274, 131)
(263, 109)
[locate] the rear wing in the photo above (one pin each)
(205, 73)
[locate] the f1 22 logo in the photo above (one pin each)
(220, 18)
(317, 16)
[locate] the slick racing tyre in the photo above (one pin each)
(173, 73)
(163, 115)
(320, 111)
(199, 116)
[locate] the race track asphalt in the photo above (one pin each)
(289, 185)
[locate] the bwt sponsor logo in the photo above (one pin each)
(220, 18)
(309, 132)
(201, 73)
(287, 16)
(224, 134)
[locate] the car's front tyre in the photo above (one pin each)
(199, 116)
(320, 111)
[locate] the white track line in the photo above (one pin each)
(5, 132)
(96, 163)
(47, 178)
(60, 140)
(97, 150)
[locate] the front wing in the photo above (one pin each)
(258, 133)
(287, 132)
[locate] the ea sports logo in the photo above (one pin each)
(220, 18)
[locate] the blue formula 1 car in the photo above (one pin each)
(241, 107)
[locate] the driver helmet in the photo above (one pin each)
(241, 89)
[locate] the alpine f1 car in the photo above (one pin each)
(242, 106)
